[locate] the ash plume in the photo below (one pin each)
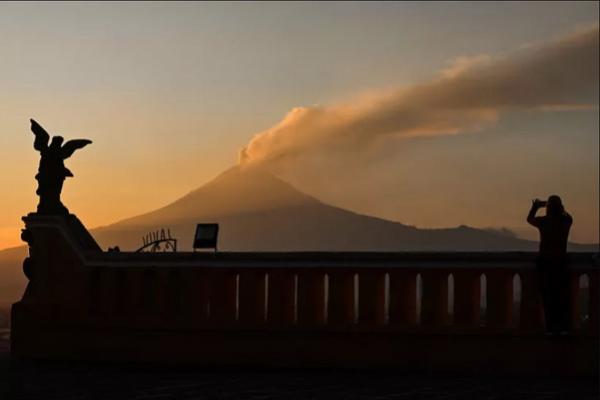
(469, 96)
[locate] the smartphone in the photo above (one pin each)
(542, 203)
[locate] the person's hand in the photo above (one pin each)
(537, 203)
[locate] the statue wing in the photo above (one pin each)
(41, 136)
(69, 148)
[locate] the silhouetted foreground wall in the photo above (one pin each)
(407, 310)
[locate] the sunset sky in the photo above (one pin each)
(431, 114)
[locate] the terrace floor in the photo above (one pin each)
(52, 380)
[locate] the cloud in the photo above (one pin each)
(468, 96)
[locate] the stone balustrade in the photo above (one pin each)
(432, 310)
(450, 295)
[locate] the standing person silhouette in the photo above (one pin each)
(552, 262)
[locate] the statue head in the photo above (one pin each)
(56, 141)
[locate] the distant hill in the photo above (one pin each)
(12, 280)
(260, 212)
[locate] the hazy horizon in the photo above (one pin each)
(433, 115)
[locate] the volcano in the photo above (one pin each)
(258, 211)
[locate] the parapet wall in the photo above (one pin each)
(404, 310)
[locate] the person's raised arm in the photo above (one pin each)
(531, 218)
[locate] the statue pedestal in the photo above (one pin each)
(57, 277)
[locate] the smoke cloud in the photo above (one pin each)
(468, 96)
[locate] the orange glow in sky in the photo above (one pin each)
(170, 92)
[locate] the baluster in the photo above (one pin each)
(575, 306)
(135, 282)
(466, 298)
(110, 293)
(499, 298)
(281, 297)
(531, 306)
(174, 294)
(222, 302)
(252, 297)
(149, 298)
(126, 295)
(594, 305)
(196, 296)
(371, 297)
(434, 312)
(163, 278)
(341, 297)
(134, 310)
(95, 291)
(311, 297)
(403, 298)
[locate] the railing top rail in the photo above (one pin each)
(356, 260)
(352, 255)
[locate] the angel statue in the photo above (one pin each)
(52, 171)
